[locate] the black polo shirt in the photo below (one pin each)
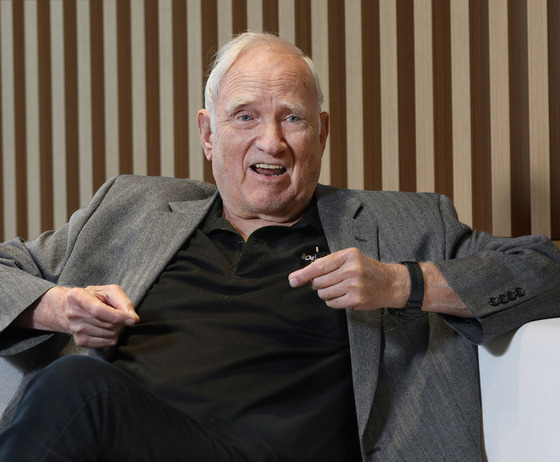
(224, 338)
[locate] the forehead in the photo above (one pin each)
(265, 70)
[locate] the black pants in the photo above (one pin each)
(83, 409)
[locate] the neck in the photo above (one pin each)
(246, 226)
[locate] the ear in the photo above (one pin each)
(205, 132)
(324, 121)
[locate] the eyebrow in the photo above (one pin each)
(296, 108)
(234, 105)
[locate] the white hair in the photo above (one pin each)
(229, 53)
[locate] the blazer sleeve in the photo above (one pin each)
(29, 268)
(506, 282)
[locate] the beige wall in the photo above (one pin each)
(460, 97)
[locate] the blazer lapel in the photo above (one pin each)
(163, 234)
(348, 224)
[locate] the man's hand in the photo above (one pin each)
(349, 279)
(93, 316)
(97, 313)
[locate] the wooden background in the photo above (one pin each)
(460, 97)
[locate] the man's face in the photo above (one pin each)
(267, 137)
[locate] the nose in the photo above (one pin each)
(271, 138)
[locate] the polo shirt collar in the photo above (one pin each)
(215, 220)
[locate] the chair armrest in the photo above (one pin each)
(520, 378)
(10, 378)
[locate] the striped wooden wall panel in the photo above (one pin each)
(460, 97)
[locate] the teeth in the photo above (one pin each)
(269, 169)
(272, 166)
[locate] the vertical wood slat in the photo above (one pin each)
(519, 118)
(270, 16)
(255, 15)
(480, 115)
(499, 117)
(2, 211)
(165, 56)
(461, 108)
(32, 120)
(239, 16)
(84, 102)
(139, 93)
(71, 107)
(195, 88)
(45, 114)
(320, 53)
(407, 96)
(447, 91)
(20, 116)
(97, 93)
(58, 89)
(209, 44)
(553, 15)
(111, 82)
(424, 94)
(224, 21)
(303, 26)
(354, 95)
(8, 150)
(337, 79)
(152, 87)
(539, 144)
(371, 107)
(389, 97)
(443, 141)
(180, 89)
(124, 63)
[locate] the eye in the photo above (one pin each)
(245, 117)
(293, 118)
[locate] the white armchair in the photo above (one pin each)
(11, 374)
(520, 383)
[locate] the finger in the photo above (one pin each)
(335, 280)
(316, 269)
(332, 292)
(94, 342)
(84, 329)
(87, 334)
(86, 305)
(339, 303)
(114, 296)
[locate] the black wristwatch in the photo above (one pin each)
(413, 306)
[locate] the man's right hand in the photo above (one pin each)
(93, 315)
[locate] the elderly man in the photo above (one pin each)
(276, 318)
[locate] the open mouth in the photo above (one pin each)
(268, 169)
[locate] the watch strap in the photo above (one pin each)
(413, 306)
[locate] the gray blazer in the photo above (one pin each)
(416, 382)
